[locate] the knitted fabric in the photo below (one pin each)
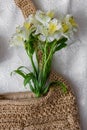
(55, 111)
(26, 6)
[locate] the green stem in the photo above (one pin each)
(33, 65)
(32, 62)
(49, 57)
(44, 55)
(45, 51)
(44, 58)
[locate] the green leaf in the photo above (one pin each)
(27, 80)
(46, 90)
(23, 67)
(61, 84)
(29, 48)
(62, 40)
(31, 87)
(29, 45)
(29, 77)
(20, 72)
(62, 45)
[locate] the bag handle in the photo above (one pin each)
(26, 6)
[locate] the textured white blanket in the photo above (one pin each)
(70, 62)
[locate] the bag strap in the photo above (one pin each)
(26, 6)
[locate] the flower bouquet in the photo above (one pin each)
(43, 33)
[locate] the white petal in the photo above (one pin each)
(57, 36)
(42, 18)
(30, 18)
(54, 21)
(50, 38)
(59, 26)
(42, 38)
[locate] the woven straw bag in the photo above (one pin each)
(55, 111)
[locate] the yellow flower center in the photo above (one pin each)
(52, 28)
(27, 25)
(50, 14)
(72, 21)
(19, 38)
(65, 27)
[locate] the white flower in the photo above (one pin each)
(42, 18)
(20, 36)
(31, 18)
(39, 29)
(69, 27)
(54, 26)
(49, 32)
(55, 36)
(70, 22)
(42, 38)
(24, 33)
(45, 27)
(50, 14)
(16, 40)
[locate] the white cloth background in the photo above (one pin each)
(71, 62)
